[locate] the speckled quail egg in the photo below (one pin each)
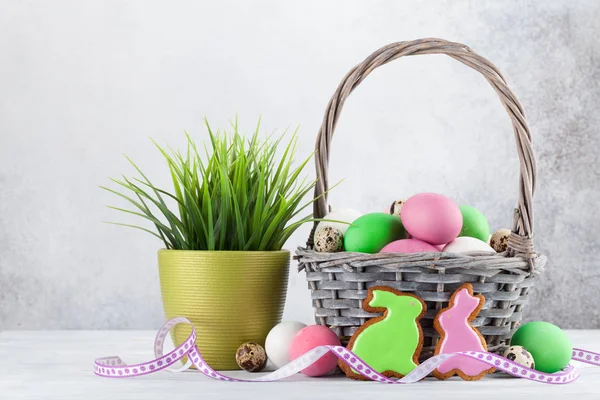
(329, 240)
(521, 356)
(251, 357)
(396, 207)
(499, 240)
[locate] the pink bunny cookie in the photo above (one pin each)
(457, 334)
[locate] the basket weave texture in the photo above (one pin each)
(339, 281)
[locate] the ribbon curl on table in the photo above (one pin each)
(114, 367)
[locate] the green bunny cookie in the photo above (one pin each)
(390, 344)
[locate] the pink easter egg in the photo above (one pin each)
(307, 339)
(431, 217)
(409, 246)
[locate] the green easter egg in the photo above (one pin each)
(371, 232)
(549, 345)
(474, 224)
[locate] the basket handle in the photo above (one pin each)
(520, 241)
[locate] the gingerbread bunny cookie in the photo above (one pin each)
(457, 334)
(390, 344)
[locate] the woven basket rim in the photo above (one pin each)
(434, 261)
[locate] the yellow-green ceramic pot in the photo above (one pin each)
(231, 297)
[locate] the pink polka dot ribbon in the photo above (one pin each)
(114, 367)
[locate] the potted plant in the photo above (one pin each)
(232, 206)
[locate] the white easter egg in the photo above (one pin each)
(279, 339)
(465, 244)
(343, 214)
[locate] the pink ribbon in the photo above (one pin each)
(114, 367)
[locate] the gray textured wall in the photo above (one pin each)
(83, 82)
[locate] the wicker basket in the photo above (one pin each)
(339, 281)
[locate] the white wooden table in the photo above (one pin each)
(58, 365)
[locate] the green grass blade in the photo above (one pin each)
(238, 194)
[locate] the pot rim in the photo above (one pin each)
(245, 252)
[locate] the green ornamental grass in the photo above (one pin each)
(234, 194)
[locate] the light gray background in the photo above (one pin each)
(83, 82)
